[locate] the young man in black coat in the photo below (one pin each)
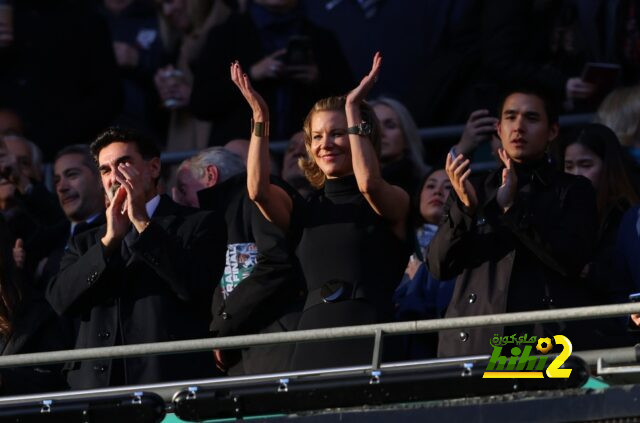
(147, 275)
(515, 240)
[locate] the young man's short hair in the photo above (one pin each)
(550, 100)
(146, 147)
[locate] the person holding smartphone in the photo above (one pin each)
(514, 241)
(289, 60)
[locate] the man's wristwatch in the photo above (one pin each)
(363, 128)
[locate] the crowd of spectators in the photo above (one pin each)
(355, 223)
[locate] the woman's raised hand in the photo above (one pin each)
(359, 93)
(256, 102)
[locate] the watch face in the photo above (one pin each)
(363, 128)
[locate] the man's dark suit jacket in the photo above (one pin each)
(159, 288)
(267, 300)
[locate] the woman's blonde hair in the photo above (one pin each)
(620, 111)
(413, 149)
(312, 171)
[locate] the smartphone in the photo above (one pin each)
(298, 51)
(603, 75)
(634, 298)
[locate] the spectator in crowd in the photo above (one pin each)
(209, 168)
(20, 179)
(408, 34)
(59, 73)
(80, 194)
(144, 276)
(419, 295)
(401, 152)
(139, 52)
(260, 288)
(27, 325)
(184, 25)
(28, 156)
(596, 154)
(28, 207)
(620, 111)
(514, 241)
(354, 244)
(501, 41)
(289, 60)
(291, 171)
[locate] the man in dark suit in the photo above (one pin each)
(81, 197)
(259, 291)
(147, 275)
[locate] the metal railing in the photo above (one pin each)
(345, 332)
(167, 389)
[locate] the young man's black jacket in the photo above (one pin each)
(157, 287)
(524, 259)
(266, 299)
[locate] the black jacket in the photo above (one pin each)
(266, 299)
(62, 238)
(36, 328)
(158, 288)
(525, 259)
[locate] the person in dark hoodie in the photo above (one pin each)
(291, 61)
(139, 52)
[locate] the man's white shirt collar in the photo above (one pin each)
(152, 205)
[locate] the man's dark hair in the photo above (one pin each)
(81, 150)
(147, 148)
(549, 99)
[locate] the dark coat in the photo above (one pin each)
(63, 230)
(159, 288)
(36, 328)
(266, 298)
(215, 98)
(525, 259)
(627, 265)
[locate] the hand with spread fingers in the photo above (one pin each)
(359, 93)
(135, 185)
(507, 191)
(458, 171)
(256, 102)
